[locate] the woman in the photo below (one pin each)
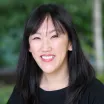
(52, 68)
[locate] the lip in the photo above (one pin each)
(47, 55)
(47, 60)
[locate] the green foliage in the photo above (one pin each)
(9, 48)
(101, 77)
(5, 92)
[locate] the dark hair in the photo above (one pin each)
(29, 74)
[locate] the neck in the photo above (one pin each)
(54, 81)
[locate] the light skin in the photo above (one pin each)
(45, 41)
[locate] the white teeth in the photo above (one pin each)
(47, 57)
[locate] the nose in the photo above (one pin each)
(46, 46)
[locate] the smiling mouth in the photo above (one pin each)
(47, 58)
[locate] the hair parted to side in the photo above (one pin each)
(81, 73)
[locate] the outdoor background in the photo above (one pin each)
(88, 17)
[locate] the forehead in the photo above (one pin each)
(47, 25)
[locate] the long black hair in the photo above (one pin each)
(81, 73)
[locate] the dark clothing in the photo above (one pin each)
(94, 94)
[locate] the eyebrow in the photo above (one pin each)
(49, 31)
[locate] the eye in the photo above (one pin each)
(55, 36)
(36, 38)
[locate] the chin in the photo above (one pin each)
(48, 71)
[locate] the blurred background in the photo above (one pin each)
(88, 17)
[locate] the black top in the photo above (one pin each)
(94, 94)
(52, 97)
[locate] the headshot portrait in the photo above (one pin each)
(52, 67)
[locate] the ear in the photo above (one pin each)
(70, 46)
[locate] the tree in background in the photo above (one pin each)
(98, 40)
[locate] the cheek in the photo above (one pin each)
(60, 45)
(34, 47)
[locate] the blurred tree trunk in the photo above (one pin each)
(98, 39)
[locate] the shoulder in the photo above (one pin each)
(15, 97)
(96, 88)
(94, 93)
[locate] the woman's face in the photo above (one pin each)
(48, 49)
